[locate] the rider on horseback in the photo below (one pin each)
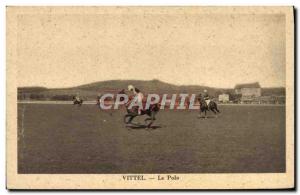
(138, 95)
(206, 104)
(98, 99)
(206, 97)
(77, 98)
(202, 102)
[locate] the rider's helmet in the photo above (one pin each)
(205, 91)
(130, 88)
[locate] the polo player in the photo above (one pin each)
(206, 97)
(139, 95)
(77, 98)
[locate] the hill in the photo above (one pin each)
(90, 91)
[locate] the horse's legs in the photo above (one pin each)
(200, 112)
(149, 118)
(125, 117)
(130, 119)
(199, 115)
(152, 118)
(148, 125)
(212, 108)
(214, 111)
(216, 107)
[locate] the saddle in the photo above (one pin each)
(207, 102)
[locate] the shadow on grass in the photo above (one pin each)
(207, 117)
(138, 127)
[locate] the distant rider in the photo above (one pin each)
(98, 99)
(137, 94)
(77, 98)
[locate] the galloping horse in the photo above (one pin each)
(211, 106)
(133, 112)
(77, 101)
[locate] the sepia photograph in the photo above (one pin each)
(150, 97)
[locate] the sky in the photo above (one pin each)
(219, 50)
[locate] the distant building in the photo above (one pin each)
(224, 98)
(248, 92)
(271, 100)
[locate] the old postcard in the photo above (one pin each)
(150, 97)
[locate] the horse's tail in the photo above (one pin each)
(216, 106)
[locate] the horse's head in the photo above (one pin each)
(122, 98)
(122, 91)
(200, 97)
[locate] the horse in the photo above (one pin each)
(98, 100)
(133, 112)
(212, 106)
(77, 101)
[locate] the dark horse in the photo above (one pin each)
(76, 101)
(204, 107)
(133, 112)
